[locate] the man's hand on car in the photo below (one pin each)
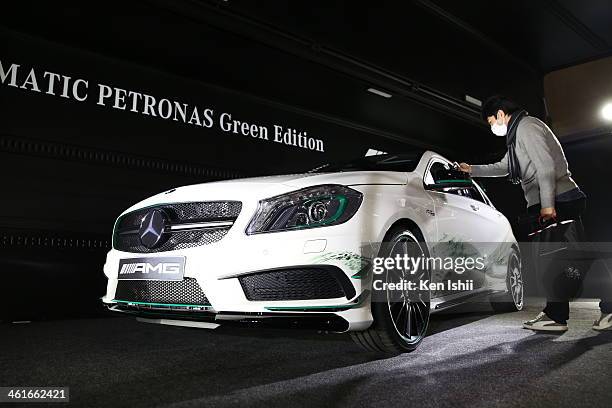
(465, 167)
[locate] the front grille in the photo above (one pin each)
(126, 235)
(185, 292)
(177, 240)
(294, 284)
(185, 213)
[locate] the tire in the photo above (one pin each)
(513, 300)
(399, 324)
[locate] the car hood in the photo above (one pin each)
(311, 179)
(257, 188)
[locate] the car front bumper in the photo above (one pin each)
(217, 268)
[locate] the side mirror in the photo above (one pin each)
(450, 178)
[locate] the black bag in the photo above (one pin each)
(562, 238)
(560, 258)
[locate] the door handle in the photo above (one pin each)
(475, 207)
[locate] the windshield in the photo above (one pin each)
(405, 162)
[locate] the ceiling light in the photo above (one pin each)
(379, 93)
(374, 152)
(606, 111)
(473, 101)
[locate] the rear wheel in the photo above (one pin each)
(513, 300)
(401, 317)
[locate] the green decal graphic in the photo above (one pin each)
(351, 260)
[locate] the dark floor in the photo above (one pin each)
(470, 359)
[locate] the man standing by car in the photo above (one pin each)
(535, 159)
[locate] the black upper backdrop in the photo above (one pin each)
(144, 47)
(70, 167)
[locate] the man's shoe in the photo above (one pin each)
(604, 322)
(545, 324)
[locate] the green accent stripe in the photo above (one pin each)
(159, 304)
(454, 181)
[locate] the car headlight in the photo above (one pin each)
(310, 207)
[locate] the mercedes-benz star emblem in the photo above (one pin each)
(152, 228)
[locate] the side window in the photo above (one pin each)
(435, 169)
(438, 170)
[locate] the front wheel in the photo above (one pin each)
(400, 316)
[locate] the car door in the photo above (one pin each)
(497, 238)
(493, 224)
(459, 218)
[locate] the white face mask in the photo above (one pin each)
(499, 129)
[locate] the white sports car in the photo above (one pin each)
(299, 250)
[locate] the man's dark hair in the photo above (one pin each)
(496, 103)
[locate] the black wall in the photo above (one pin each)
(590, 164)
(69, 167)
